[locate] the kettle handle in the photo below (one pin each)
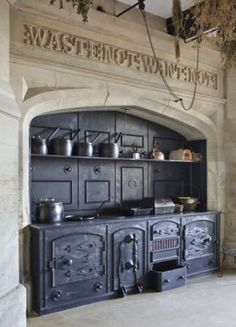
(135, 147)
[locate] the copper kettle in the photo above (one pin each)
(156, 153)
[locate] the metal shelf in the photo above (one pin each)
(113, 159)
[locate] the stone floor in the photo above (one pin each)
(206, 301)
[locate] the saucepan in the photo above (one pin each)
(39, 145)
(62, 145)
(110, 150)
(84, 149)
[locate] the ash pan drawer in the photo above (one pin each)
(167, 275)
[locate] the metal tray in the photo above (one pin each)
(139, 211)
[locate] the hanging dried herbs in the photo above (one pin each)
(81, 6)
(219, 14)
(177, 18)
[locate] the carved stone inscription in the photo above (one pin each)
(83, 48)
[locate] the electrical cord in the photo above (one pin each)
(170, 90)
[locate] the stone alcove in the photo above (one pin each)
(193, 126)
(46, 81)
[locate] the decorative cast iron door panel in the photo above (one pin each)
(77, 257)
(128, 265)
(199, 239)
(165, 240)
(200, 250)
(75, 265)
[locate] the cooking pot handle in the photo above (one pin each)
(135, 147)
(84, 139)
(118, 137)
(46, 200)
(73, 135)
(95, 138)
(55, 130)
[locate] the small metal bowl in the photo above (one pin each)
(187, 200)
(189, 203)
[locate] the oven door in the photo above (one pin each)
(76, 266)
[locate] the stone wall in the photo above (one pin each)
(230, 162)
(12, 295)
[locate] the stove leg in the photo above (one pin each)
(122, 291)
(139, 288)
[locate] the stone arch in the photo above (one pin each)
(192, 124)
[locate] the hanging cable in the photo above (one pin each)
(170, 90)
(125, 128)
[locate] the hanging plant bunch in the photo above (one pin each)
(177, 17)
(81, 6)
(219, 14)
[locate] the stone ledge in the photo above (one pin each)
(13, 308)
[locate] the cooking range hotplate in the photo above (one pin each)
(78, 218)
(88, 218)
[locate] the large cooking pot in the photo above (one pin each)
(84, 149)
(110, 150)
(50, 212)
(62, 145)
(39, 145)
